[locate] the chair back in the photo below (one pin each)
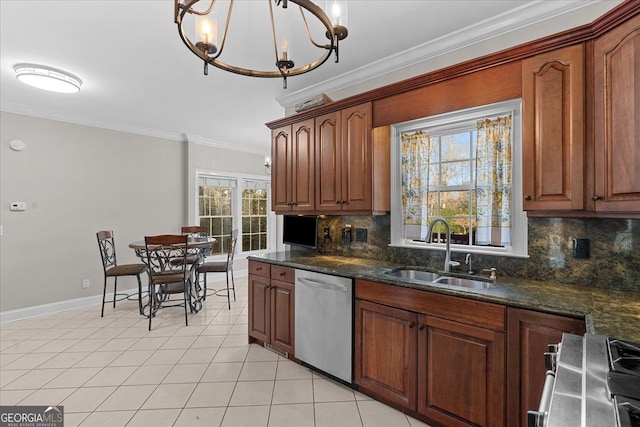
(194, 229)
(161, 250)
(232, 248)
(107, 249)
(197, 233)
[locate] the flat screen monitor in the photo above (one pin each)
(300, 231)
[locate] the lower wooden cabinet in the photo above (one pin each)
(386, 352)
(461, 373)
(452, 361)
(271, 305)
(529, 334)
(446, 372)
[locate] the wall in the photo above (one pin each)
(614, 244)
(75, 181)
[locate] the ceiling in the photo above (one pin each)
(139, 77)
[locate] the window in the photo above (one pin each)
(254, 216)
(229, 202)
(215, 210)
(464, 167)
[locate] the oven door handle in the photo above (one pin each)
(537, 418)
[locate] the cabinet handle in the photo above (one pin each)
(411, 325)
(527, 197)
(343, 201)
(596, 198)
(421, 326)
(282, 273)
(259, 268)
(337, 202)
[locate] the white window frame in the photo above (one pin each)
(237, 209)
(519, 244)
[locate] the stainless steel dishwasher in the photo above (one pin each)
(323, 322)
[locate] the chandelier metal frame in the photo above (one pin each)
(285, 67)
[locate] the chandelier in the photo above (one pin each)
(200, 18)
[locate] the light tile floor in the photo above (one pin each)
(113, 372)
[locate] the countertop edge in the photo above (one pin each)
(606, 312)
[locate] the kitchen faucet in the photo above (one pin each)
(447, 260)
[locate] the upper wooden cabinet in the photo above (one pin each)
(553, 101)
(293, 168)
(330, 164)
(343, 160)
(616, 79)
(570, 169)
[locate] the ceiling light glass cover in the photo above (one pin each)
(275, 45)
(47, 78)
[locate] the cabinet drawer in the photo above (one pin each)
(283, 274)
(463, 310)
(259, 268)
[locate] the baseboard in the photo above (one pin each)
(56, 307)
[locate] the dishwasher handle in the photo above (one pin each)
(322, 285)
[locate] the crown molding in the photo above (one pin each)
(529, 14)
(42, 113)
(199, 140)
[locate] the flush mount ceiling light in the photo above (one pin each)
(47, 78)
(199, 17)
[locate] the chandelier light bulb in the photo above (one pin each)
(207, 30)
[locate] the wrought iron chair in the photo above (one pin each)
(194, 259)
(166, 276)
(221, 267)
(112, 269)
(196, 232)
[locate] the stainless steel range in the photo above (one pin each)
(592, 381)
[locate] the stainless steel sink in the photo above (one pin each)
(464, 283)
(436, 278)
(408, 273)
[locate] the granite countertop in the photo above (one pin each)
(607, 312)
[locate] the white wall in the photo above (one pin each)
(75, 181)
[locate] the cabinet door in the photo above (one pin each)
(303, 169)
(259, 307)
(385, 353)
(282, 316)
(356, 158)
(553, 130)
(328, 162)
(617, 118)
(461, 379)
(281, 158)
(529, 335)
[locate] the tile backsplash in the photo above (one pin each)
(613, 263)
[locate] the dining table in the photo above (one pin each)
(199, 246)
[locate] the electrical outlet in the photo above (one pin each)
(581, 248)
(361, 234)
(85, 283)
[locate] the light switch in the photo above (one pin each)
(18, 206)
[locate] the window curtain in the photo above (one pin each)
(415, 152)
(493, 182)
